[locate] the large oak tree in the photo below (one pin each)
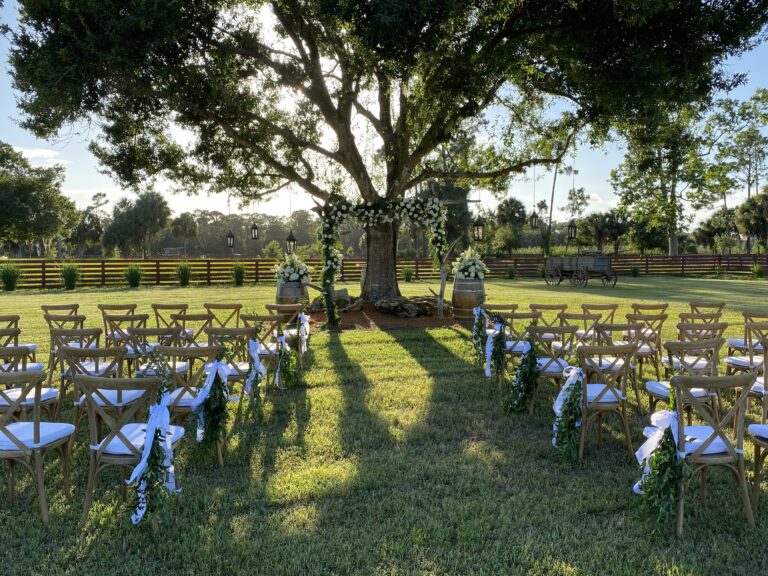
(356, 97)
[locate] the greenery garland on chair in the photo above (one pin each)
(567, 426)
(499, 342)
(287, 367)
(427, 212)
(661, 484)
(519, 392)
(214, 408)
(478, 338)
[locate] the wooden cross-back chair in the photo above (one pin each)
(9, 336)
(650, 348)
(756, 333)
(12, 321)
(706, 307)
(585, 326)
(142, 341)
(618, 335)
(549, 318)
(60, 322)
(691, 358)
(114, 310)
(27, 442)
(700, 317)
(606, 370)
(234, 342)
(759, 432)
(16, 359)
(720, 440)
(86, 338)
(515, 328)
(607, 312)
(552, 365)
(186, 365)
(224, 315)
(102, 362)
(739, 345)
(289, 312)
(692, 331)
(268, 328)
(121, 446)
(164, 313)
(499, 307)
(193, 327)
(61, 309)
(117, 326)
(649, 308)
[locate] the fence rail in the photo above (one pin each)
(45, 274)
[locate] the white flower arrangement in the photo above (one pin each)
(470, 266)
(293, 270)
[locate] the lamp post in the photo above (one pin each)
(478, 229)
(254, 231)
(290, 243)
(534, 220)
(231, 242)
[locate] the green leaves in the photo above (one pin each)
(518, 394)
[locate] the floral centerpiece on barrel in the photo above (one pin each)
(293, 276)
(469, 271)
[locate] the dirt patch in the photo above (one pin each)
(371, 319)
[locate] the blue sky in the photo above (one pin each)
(83, 178)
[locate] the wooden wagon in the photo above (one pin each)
(579, 269)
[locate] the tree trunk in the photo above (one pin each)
(381, 272)
(673, 247)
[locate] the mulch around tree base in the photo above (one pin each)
(371, 319)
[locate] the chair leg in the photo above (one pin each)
(582, 437)
(599, 427)
(745, 494)
(680, 509)
(625, 421)
(11, 480)
(40, 477)
(64, 459)
(703, 490)
(656, 367)
(759, 456)
(123, 478)
(219, 455)
(89, 490)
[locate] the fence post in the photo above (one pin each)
(682, 264)
(341, 271)
(255, 269)
(157, 271)
(416, 266)
(103, 272)
(42, 275)
(208, 272)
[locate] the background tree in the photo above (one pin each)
(90, 228)
(150, 214)
(577, 202)
(616, 227)
(273, 250)
(722, 222)
(184, 226)
(752, 218)
(593, 230)
(416, 75)
(644, 236)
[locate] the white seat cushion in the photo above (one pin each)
(270, 349)
(583, 334)
(552, 366)
(46, 394)
(77, 345)
(90, 368)
(611, 396)
(237, 368)
(744, 361)
(759, 386)
(141, 350)
(30, 367)
(147, 370)
(698, 364)
(548, 337)
(184, 396)
(695, 437)
(32, 347)
(117, 336)
(128, 396)
(516, 347)
(50, 432)
(291, 333)
(661, 390)
(135, 432)
(759, 430)
(607, 363)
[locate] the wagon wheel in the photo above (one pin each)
(610, 278)
(552, 276)
(580, 277)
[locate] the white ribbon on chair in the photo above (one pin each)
(159, 419)
(303, 331)
(660, 421)
(282, 347)
(572, 375)
(489, 348)
(221, 368)
(256, 366)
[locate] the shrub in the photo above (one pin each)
(511, 273)
(635, 272)
(542, 271)
(408, 274)
(70, 275)
(133, 275)
(719, 270)
(10, 274)
(757, 271)
(183, 274)
(238, 273)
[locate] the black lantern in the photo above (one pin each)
(254, 231)
(230, 240)
(534, 220)
(572, 230)
(478, 229)
(290, 243)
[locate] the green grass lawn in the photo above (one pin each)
(394, 459)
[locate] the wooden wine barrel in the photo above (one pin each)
(467, 295)
(291, 293)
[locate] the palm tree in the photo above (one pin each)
(184, 226)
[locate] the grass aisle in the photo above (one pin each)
(394, 459)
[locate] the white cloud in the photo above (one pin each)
(37, 153)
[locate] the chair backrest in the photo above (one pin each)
(234, 342)
(555, 309)
(755, 316)
(646, 308)
(188, 380)
(627, 333)
(9, 321)
(694, 357)
(583, 322)
(652, 326)
(60, 309)
(608, 365)
(106, 362)
(80, 337)
(196, 325)
(706, 307)
(516, 324)
(224, 315)
(118, 325)
(13, 358)
(115, 310)
(700, 317)
(143, 340)
(65, 321)
(9, 336)
(29, 385)
(499, 307)
(556, 355)
(740, 385)
(607, 312)
(755, 336)
(164, 312)
(289, 312)
(700, 330)
(109, 410)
